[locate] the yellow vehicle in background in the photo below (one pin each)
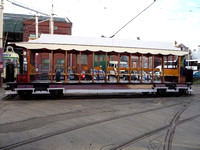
(114, 64)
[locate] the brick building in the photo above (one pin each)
(20, 27)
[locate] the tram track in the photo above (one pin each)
(170, 131)
(173, 124)
(35, 122)
(45, 136)
(151, 133)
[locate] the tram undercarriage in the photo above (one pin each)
(57, 90)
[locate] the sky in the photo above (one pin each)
(165, 20)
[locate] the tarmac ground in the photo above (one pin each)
(101, 123)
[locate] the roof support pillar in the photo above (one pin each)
(141, 69)
(179, 69)
(98, 68)
(152, 69)
(92, 67)
(130, 66)
(75, 68)
(79, 77)
(52, 65)
(65, 67)
(138, 67)
(163, 69)
(29, 65)
(118, 72)
(106, 61)
(148, 68)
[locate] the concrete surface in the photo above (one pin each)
(2, 92)
(96, 123)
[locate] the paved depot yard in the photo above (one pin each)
(101, 123)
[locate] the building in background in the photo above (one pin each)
(185, 48)
(196, 53)
(20, 27)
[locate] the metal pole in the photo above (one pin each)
(1, 40)
(1, 23)
(36, 25)
(106, 60)
(51, 22)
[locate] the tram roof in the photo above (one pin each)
(68, 42)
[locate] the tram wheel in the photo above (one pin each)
(161, 92)
(145, 93)
(183, 92)
(56, 94)
(26, 94)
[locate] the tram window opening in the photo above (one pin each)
(83, 59)
(150, 62)
(134, 64)
(145, 62)
(60, 64)
(171, 62)
(45, 64)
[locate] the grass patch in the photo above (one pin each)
(196, 81)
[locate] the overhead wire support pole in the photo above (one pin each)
(51, 23)
(133, 19)
(36, 25)
(1, 24)
(1, 41)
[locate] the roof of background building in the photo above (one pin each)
(31, 17)
(14, 22)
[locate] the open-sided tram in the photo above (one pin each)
(80, 69)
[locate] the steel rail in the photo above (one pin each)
(140, 137)
(153, 132)
(150, 133)
(171, 129)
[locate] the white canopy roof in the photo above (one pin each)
(67, 42)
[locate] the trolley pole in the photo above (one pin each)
(1, 41)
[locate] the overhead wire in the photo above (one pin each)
(133, 19)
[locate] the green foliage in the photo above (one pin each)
(196, 81)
